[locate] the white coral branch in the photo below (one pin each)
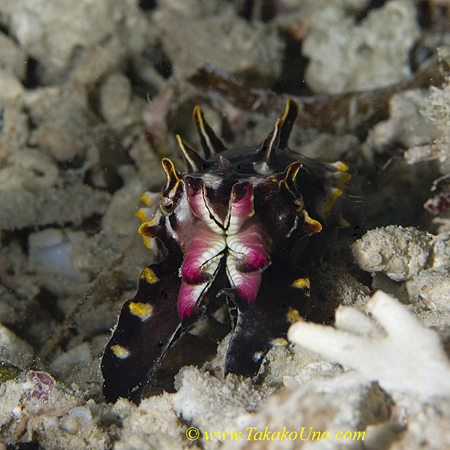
(409, 358)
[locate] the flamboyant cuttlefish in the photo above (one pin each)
(251, 214)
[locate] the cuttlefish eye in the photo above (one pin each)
(166, 205)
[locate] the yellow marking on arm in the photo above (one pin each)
(293, 315)
(279, 342)
(146, 198)
(291, 174)
(303, 284)
(290, 103)
(147, 242)
(339, 166)
(310, 225)
(149, 276)
(276, 131)
(342, 177)
(334, 196)
(120, 352)
(343, 223)
(185, 151)
(292, 170)
(141, 310)
(169, 168)
(140, 214)
(291, 111)
(143, 229)
(145, 237)
(199, 116)
(174, 190)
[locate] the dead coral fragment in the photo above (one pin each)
(250, 50)
(375, 51)
(432, 287)
(399, 252)
(437, 111)
(409, 359)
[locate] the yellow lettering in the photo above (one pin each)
(325, 438)
(266, 434)
(251, 431)
(358, 434)
(315, 434)
(301, 434)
